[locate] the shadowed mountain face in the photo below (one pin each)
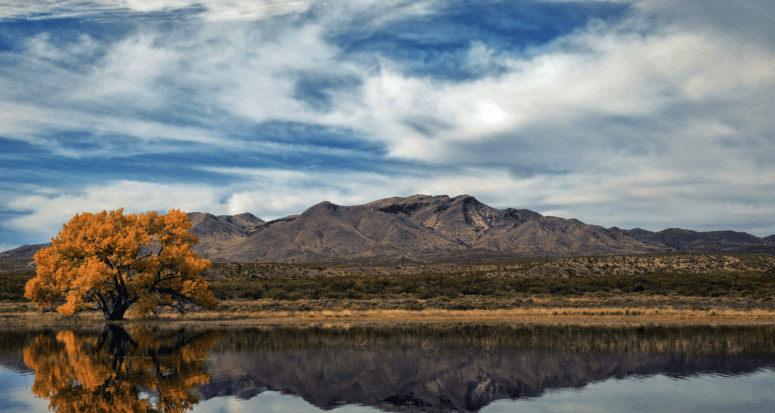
(430, 229)
(677, 239)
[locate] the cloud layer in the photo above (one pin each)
(648, 114)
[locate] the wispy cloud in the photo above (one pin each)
(634, 113)
(239, 10)
(49, 208)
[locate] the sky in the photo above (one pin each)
(651, 114)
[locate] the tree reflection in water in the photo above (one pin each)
(138, 370)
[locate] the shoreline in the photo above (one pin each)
(238, 314)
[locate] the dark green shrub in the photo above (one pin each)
(453, 286)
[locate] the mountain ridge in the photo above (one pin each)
(423, 228)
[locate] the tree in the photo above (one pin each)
(109, 261)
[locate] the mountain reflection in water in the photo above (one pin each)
(466, 368)
(434, 369)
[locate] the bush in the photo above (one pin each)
(12, 285)
(449, 286)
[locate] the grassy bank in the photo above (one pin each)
(583, 310)
(676, 288)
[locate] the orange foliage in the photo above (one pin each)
(110, 261)
(118, 372)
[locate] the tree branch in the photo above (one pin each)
(100, 301)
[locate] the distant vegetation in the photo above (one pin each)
(425, 286)
(748, 277)
(12, 285)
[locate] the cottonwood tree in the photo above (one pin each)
(109, 261)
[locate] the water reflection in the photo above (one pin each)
(136, 370)
(429, 369)
(467, 368)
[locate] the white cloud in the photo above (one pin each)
(657, 199)
(49, 208)
(272, 174)
(603, 70)
(40, 46)
(218, 69)
(215, 10)
(259, 83)
(668, 119)
(128, 76)
(6, 247)
(624, 75)
(382, 11)
(241, 202)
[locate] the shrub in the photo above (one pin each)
(455, 286)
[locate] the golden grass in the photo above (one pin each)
(586, 310)
(556, 315)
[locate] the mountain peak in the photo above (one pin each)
(248, 217)
(465, 198)
(324, 207)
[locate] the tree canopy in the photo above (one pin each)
(109, 261)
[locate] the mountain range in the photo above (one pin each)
(424, 228)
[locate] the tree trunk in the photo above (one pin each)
(115, 312)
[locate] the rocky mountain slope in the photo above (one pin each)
(422, 229)
(418, 228)
(217, 233)
(439, 228)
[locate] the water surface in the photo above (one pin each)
(486, 368)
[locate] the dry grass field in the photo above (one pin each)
(542, 310)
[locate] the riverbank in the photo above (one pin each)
(607, 290)
(591, 309)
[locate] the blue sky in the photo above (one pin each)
(650, 114)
